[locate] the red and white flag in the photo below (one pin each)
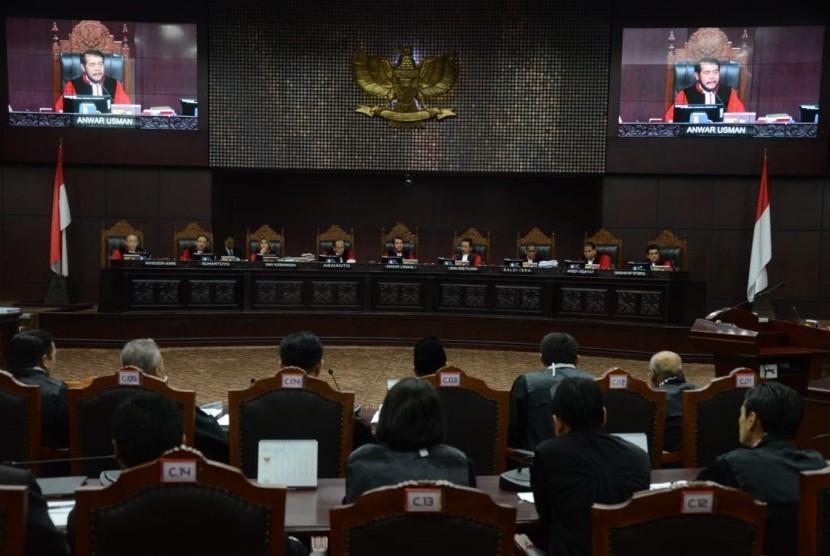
(61, 218)
(761, 240)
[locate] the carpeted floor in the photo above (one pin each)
(212, 371)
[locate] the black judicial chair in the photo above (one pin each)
(659, 521)
(710, 417)
(387, 520)
(410, 239)
(186, 238)
(325, 240)
(707, 41)
(608, 244)
(90, 34)
(481, 243)
(115, 237)
(545, 245)
(276, 241)
(632, 405)
(143, 512)
(90, 413)
(271, 409)
(476, 418)
(672, 248)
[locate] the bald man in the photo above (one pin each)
(666, 373)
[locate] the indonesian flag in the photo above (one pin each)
(61, 218)
(761, 240)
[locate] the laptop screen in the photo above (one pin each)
(86, 104)
(698, 113)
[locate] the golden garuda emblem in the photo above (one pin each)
(406, 86)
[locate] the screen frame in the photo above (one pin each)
(141, 147)
(713, 155)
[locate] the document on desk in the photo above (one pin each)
(292, 463)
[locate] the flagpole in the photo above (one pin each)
(761, 253)
(58, 292)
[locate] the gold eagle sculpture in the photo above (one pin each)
(405, 85)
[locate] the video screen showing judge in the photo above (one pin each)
(93, 81)
(707, 89)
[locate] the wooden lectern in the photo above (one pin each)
(738, 338)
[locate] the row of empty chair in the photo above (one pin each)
(671, 247)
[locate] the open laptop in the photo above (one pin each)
(698, 113)
(86, 104)
(739, 118)
(60, 487)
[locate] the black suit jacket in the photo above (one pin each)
(42, 538)
(571, 472)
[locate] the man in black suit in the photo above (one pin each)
(42, 538)
(210, 439)
(31, 357)
(229, 249)
(583, 464)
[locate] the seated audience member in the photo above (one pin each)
(42, 538)
(467, 254)
(31, 357)
(428, 356)
(305, 350)
(229, 249)
(129, 248)
(589, 249)
(531, 393)
(199, 250)
(707, 89)
(338, 251)
(144, 427)
(397, 250)
(653, 256)
(93, 81)
(264, 249)
(410, 435)
(665, 370)
(210, 438)
(583, 464)
(768, 463)
(532, 254)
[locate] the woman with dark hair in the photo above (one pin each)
(410, 435)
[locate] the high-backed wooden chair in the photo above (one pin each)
(14, 508)
(186, 238)
(632, 405)
(476, 417)
(181, 503)
(713, 520)
(115, 237)
(276, 241)
(20, 435)
(814, 513)
(710, 417)
(545, 245)
(410, 239)
(481, 243)
(90, 34)
(325, 240)
(291, 405)
(608, 243)
(91, 409)
(707, 41)
(672, 248)
(422, 517)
